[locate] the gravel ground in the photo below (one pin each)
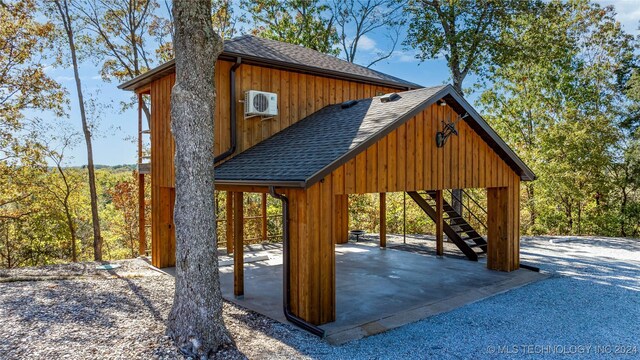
(589, 307)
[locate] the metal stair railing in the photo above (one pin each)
(468, 209)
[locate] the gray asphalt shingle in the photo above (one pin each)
(315, 142)
(249, 45)
(283, 55)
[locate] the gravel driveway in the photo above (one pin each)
(589, 307)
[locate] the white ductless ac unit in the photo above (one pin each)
(260, 103)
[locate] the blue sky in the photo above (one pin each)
(112, 140)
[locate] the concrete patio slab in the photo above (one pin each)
(377, 290)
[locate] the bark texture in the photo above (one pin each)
(195, 322)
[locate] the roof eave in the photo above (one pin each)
(168, 68)
(277, 183)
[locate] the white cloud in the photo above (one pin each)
(64, 78)
(96, 77)
(404, 56)
(366, 43)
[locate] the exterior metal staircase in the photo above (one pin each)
(456, 227)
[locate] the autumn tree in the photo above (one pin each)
(24, 85)
(65, 188)
(195, 321)
(124, 198)
(63, 11)
(226, 22)
(301, 22)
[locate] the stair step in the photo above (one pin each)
(456, 225)
(464, 225)
(473, 241)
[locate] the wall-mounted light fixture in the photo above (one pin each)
(448, 129)
(441, 102)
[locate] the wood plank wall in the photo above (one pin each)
(162, 175)
(313, 212)
(503, 206)
(299, 95)
(408, 160)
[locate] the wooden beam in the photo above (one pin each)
(146, 89)
(383, 220)
(439, 224)
(242, 188)
(238, 238)
(264, 217)
(142, 234)
(229, 222)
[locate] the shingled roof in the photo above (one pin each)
(308, 150)
(253, 49)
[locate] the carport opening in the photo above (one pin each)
(408, 227)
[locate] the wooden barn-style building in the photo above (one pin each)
(337, 129)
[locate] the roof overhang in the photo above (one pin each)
(169, 68)
(301, 184)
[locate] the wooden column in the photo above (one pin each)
(312, 252)
(229, 222)
(503, 233)
(341, 214)
(238, 239)
(264, 217)
(439, 224)
(383, 220)
(142, 236)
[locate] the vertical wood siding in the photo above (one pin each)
(299, 95)
(408, 160)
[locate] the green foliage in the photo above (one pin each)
(557, 102)
(301, 22)
(465, 32)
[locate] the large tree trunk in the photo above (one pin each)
(195, 322)
(66, 17)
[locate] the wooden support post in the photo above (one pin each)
(142, 236)
(341, 215)
(238, 238)
(229, 222)
(383, 220)
(439, 224)
(264, 217)
(503, 233)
